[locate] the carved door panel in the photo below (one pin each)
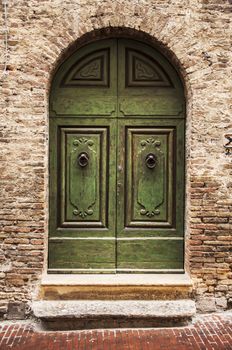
(148, 86)
(86, 83)
(116, 161)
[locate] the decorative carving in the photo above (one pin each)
(149, 213)
(143, 70)
(82, 188)
(83, 214)
(151, 182)
(90, 70)
(83, 140)
(151, 141)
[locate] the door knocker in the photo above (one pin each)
(151, 160)
(83, 159)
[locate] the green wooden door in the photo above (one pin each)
(116, 161)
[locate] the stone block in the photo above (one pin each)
(205, 304)
(221, 302)
(16, 311)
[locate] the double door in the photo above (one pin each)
(116, 161)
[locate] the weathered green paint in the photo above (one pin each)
(116, 101)
(94, 185)
(82, 182)
(148, 95)
(82, 254)
(164, 214)
(95, 94)
(150, 254)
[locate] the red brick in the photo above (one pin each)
(208, 332)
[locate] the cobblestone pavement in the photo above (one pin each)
(206, 332)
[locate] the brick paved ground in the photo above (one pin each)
(207, 332)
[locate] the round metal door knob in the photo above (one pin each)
(83, 159)
(151, 160)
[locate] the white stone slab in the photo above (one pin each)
(117, 279)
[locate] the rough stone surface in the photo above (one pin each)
(205, 305)
(196, 35)
(16, 311)
(83, 314)
(129, 308)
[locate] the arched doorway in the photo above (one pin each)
(117, 119)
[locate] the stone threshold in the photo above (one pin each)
(85, 314)
(116, 287)
(117, 279)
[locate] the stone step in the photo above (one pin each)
(86, 314)
(116, 287)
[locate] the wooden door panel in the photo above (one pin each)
(91, 69)
(151, 254)
(148, 85)
(149, 190)
(155, 106)
(150, 203)
(77, 106)
(86, 83)
(82, 255)
(83, 175)
(83, 197)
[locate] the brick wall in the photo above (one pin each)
(197, 37)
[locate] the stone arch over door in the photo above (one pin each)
(117, 125)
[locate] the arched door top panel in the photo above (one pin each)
(111, 77)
